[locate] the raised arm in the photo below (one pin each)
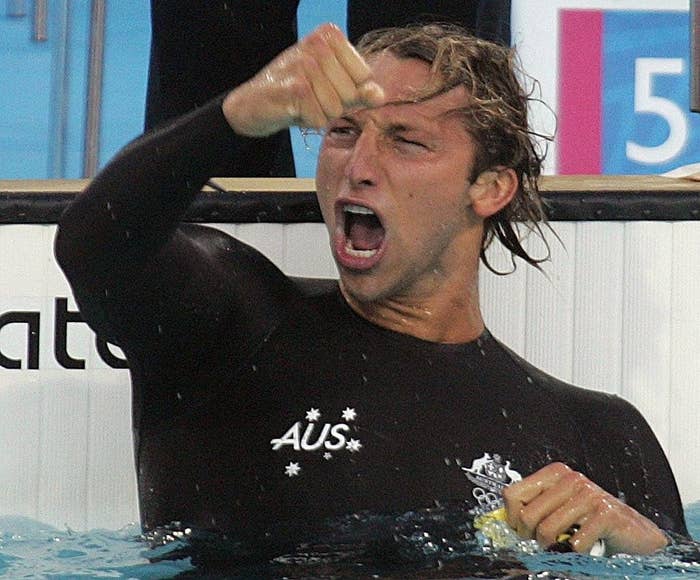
(120, 242)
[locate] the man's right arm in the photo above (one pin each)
(120, 240)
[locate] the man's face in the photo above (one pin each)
(393, 186)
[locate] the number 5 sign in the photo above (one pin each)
(624, 92)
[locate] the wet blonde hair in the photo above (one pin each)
(496, 116)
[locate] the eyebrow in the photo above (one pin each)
(398, 127)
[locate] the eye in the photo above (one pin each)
(341, 135)
(342, 131)
(410, 144)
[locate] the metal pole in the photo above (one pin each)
(695, 56)
(94, 96)
(59, 90)
(40, 20)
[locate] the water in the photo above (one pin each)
(29, 549)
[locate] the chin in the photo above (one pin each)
(361, 291)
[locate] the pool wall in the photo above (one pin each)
(616, 310)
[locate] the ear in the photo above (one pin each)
(493, 190)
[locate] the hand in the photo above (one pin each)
(554, 499)
(307, 85)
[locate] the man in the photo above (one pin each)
(371, 420)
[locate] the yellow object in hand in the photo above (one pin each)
(498, 515)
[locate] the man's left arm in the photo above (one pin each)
(625, 495)
(557, 500)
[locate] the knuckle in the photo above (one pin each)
(510, 494)
(507, 493)
(308, 62)
(317, 43)
(329, 31)
(546, 533)
(561, 468)
(529, 520)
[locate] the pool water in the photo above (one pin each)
(29, 549)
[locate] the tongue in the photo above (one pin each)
(366, 233)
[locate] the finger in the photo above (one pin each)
(520, 494)
(372, 94)
(323, 89)
(564, 522)
(563, 504)
(342, 83)
(590, 531)
(551, 513)
(330, 49)
(356, 66)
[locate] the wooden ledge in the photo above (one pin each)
(290, 200)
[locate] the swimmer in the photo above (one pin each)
(375, 414)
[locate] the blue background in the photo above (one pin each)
(42, 125)
(629, 35)
(42, 111)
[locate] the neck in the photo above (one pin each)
(451, 315)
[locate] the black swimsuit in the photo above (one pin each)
(267, 411)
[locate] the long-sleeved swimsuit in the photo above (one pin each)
(267, 412)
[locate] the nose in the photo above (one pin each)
(362, 169)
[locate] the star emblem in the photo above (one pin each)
(353, 445)
(349, 414)
(327, 456)
(313, 414)
(292, 469)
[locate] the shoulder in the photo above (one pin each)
(583, 403)
(222, 252)
(620, 446)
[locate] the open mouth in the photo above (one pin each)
(364, 232)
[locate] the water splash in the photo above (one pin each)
(30, 549)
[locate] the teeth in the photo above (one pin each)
(358, 253)
(358, 209)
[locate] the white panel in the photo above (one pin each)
(22, 271)
(20, 426)
(549, 336)
(112, 500)
(684, 434)
(619, 310)
(502, 298)
(64, 445)
(646, 327)
(307, 251)
(598, 292)
(268, 238)
(54, 277)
